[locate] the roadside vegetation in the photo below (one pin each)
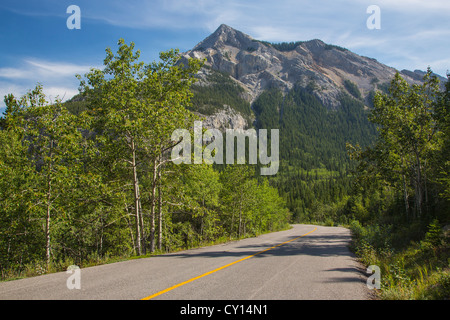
(401, 198)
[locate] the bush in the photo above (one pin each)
(357, 229)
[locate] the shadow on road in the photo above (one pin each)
(312, 245)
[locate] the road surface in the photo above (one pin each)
(303, 263)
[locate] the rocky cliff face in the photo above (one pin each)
(323, 68)
(226, 118)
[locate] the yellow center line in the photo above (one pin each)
(220, 268)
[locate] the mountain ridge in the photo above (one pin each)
(327, 69)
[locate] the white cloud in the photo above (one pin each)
(58, 78)
(57, 69)
(168, 14)
(60, 92)
(40, 69)
(14, 73)
(419, 6)
(51, 93)
(7, 88)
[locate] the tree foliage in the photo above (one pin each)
(87, 181)
(411, 137)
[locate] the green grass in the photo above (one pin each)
(417, 271)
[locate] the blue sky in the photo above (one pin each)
(36, 45)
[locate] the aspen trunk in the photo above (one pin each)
(141, 224)
(136, 200)
(240, 218)
(153, 204)
(47, 226)
(159, 210)
(48, 218)
(405, 192)
(419, 191)
(405, 196)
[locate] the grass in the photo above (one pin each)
(417, 271)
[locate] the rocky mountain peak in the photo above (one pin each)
(225, 36)
(326, 69)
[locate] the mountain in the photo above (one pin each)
(328, 69)
(318, 95)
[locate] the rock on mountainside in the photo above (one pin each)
(226, 118)
(325, 69)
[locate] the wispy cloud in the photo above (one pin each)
(418, 6)
(167, 14)
(41, 69)
(57, 78)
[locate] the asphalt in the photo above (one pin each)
(306, 262)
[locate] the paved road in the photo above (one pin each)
(305, 262)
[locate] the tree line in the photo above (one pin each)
(399, 206)
(410, 157)
(99, 182)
